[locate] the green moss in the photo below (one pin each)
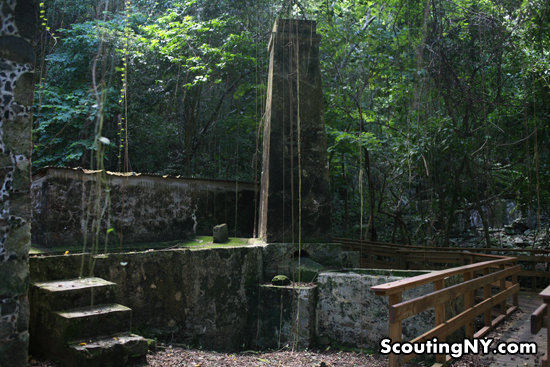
(198, 242)
(280, 280)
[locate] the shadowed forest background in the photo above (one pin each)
(434, 109)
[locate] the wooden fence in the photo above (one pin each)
(539, 319)
(382, 255)
(493, 270)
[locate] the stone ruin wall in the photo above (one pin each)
(145, 208)
(17, 59)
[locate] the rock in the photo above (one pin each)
(280, 280)
(285, 316)
(220, 233)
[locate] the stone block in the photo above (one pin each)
(13, 353)
(18, 242)
(72, 293)
(23, 93)
(16, 49)
(23, 314)
(90, 322)
(220, 233)
(25, 13)
(296, 328)
(14, 277)
(349, 313)
(109, 352)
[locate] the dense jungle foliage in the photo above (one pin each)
(433, 108)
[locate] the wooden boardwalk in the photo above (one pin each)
(519, 330)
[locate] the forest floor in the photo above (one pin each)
(171, 356)
(183, 356)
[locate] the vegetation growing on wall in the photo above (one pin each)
(433, 108)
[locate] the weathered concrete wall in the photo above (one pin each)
(284, 316)
(200, 297)
(348, 312)
(213, 297)
(145, 208)
(17, 59)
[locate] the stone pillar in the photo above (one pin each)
(17, 34)
(295, 93)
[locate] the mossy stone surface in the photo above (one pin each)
(144, 208)
(220, 233)
(283, 316)
(199, 296)
(280, 280)
(351, 314)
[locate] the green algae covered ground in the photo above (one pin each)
(198, 242)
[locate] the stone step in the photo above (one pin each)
(88, 323)
(106, 352)
(72, 293)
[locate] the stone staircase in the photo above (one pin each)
(78, 323)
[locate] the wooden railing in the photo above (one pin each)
(539, 319)
(384, 255)
(476, 276)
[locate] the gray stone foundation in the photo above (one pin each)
(17, 59)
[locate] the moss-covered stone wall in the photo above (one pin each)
(17, 59)
(199, 297)
(144, 208)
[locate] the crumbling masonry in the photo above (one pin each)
(17, 59)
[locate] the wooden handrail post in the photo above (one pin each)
(469, 303)
(487, 295)
(399, 310)
(440, 319)
(401, 261)
(369, 256)
(545, 295)
(515, 298)
(396, 329)
(534, 277)
(503, 304)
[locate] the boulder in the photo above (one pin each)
(220, 233)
